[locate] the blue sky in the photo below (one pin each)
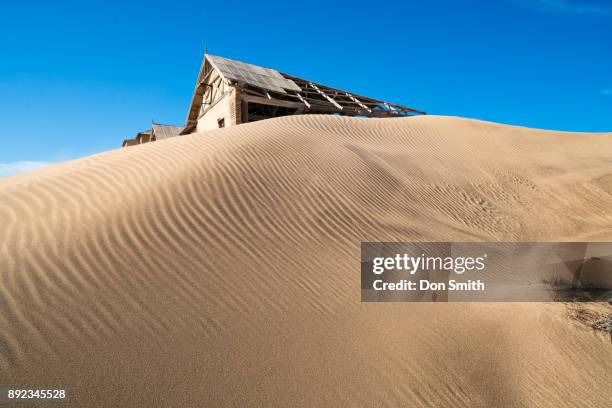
(77, 78)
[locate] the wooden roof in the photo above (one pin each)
(261, 84)
(254, 75)
(161, 132)
(157, 132)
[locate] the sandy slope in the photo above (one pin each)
(223, 268)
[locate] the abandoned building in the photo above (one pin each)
(157, 132)
(228, 93)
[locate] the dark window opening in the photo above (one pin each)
(221, 122)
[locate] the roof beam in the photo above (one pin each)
(304, 101)
(307, 101)
(208, 74)
(323, 94)
(358, 102)
(273, 102)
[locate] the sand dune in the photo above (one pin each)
(223, 268)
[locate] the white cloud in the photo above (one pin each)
(567, 6)
(606, 91)
(9, 169)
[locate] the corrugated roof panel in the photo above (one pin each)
(254, 75)
(165, 131)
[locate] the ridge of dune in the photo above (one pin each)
(224, 267)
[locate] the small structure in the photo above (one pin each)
(157, 132)
(230, 92)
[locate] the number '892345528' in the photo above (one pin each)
(35, 393)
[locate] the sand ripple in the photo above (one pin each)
(223, 268)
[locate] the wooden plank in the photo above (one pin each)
(358, 102)
(273, 102)
(212, 104)
(336, 104)
(304, 101)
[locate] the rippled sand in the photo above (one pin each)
(222, 268)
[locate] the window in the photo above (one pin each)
(221, 122)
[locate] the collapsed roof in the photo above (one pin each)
(271, 87)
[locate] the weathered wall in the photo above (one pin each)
(227, 108)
